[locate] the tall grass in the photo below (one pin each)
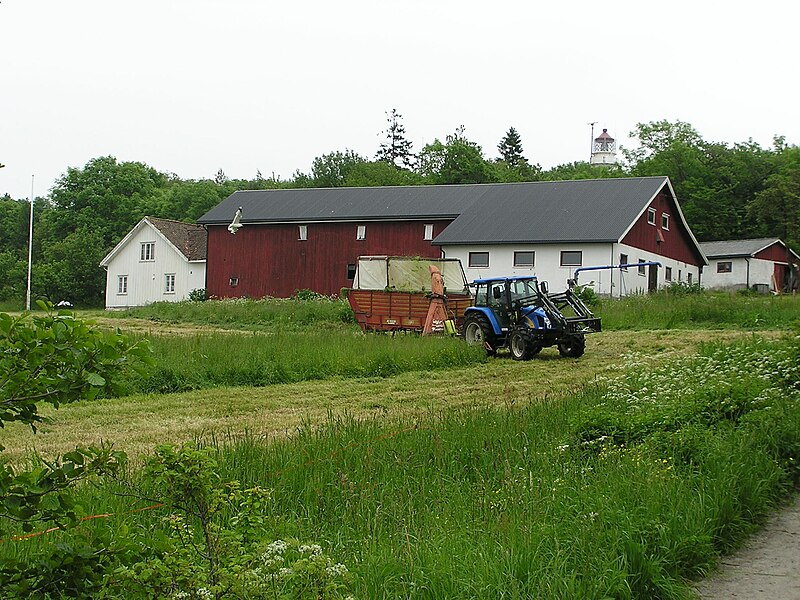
(704, 310)
(623, 490)
(286, 314)
(258, 359)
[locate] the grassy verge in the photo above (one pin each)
(705, 310)
(622, 490)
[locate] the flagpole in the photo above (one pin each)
(30, 252)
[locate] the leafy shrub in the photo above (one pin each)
(198, 295)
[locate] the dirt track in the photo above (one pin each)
(767, 568)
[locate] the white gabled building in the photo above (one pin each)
(159, 260)
(552, 228)
(762, 263)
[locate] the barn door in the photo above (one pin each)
(652, 279)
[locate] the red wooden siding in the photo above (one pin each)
(677, 243)
(270, 260)
(776, 252)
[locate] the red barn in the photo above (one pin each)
(311, 238)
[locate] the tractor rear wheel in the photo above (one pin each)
(572, 346)
(478, 331)
(520, 346)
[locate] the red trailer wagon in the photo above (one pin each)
(393, 293)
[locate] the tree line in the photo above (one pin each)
(726, 192)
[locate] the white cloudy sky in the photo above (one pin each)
(192, 86)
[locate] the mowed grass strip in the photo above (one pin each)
(137, 423)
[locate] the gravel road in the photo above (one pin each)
(766, 568)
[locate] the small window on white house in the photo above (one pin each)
(724, 267)
(524, 259)
(623, 260)
(428, 232)
(148, 251)
(689, 278)
(478, 259)
(571, 258)
(651, 216)
(361, 232)
(169, 283)
(665, 221)
(302, 232)
(122, 284)
(668, 273)
(642, 270)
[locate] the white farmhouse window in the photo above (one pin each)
(122, 284)
(302, 232)
(651, 216)
(148, 251)
(725, 266)
(571, 258)
(361, 232)
(478, 259)
(642, 267)
(524, 259)
(169, 283)
(428, 232)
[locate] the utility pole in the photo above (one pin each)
(591, 142)
(30, 252)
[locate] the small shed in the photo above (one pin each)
(762, 263)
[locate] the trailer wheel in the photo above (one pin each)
(478, 331)
(520, 347)
(573, 346)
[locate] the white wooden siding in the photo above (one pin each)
(760, 272)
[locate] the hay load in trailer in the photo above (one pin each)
(394, 293)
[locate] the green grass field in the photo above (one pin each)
(432, 472)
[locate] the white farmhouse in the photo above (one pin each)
(762, 263)
(159, 260)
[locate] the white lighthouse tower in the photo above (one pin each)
(604, 150)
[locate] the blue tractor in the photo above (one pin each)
(518, 313)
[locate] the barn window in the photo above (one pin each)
(642, 270)
(623, 260)
(234, 281)
(428, 232)
(571, 258)
(724, 267)
(351, 271)
(651, 216)
(478, 259)
(302, 232)
(148, 251)
(523, 259)
(665, 221)
(668, 273)
(169, 283)
(122, 284)
(361, 232)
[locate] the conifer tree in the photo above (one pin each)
(397, 149)
(510, 148)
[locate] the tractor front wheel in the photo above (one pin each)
(478, 331)
(520, 346)
(572, 346)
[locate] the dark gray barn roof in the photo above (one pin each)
(737, 248)
(592, 210)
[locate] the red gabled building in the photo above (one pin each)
(298, 239)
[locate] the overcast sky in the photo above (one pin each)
(192, 86)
